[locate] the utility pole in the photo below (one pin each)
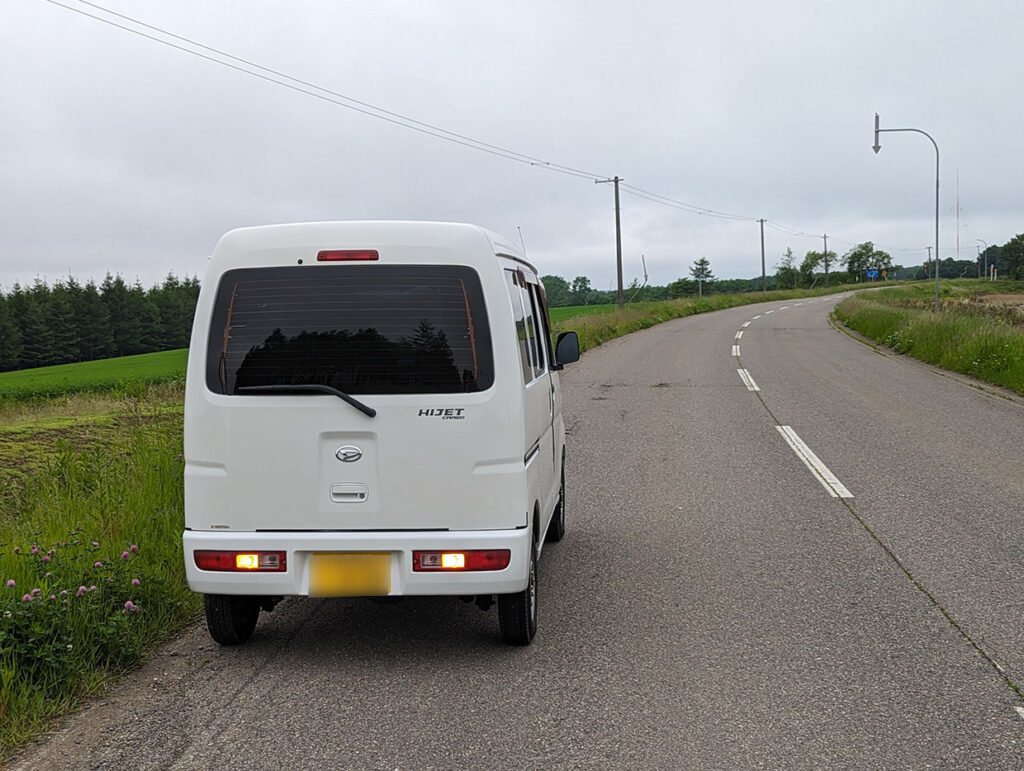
(764, 278)
(876, 147)
(618, 234)
(824, 258)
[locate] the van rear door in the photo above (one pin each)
(411, 342)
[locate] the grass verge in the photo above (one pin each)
(965, 335)
(91, 569)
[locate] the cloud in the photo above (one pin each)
(127, 156)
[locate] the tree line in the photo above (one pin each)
(70, 322)
(863, 262)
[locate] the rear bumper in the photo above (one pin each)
(301, 546)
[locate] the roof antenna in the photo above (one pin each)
(520, 231)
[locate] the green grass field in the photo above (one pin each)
(568, 312)
(104, 375)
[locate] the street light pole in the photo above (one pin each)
(764, 276)
(985, 253)
(876, 147)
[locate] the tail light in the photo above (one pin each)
(459, 561)
(241, 561)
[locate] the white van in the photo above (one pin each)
(372, 409)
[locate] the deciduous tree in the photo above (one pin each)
(1013, 257)
(786, 274)
(557, 290)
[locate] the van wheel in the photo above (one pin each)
(517, 613)
(231, 619)
(556, 528)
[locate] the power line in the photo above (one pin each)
(319, 92)
(256, 70)
(688, 207)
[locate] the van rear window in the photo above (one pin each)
(366, 329)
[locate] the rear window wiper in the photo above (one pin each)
(311, 388)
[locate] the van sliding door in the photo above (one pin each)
(534, 353)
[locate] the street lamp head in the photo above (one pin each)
(876, 147)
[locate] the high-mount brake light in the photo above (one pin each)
(241, 561)
(347, 255)
(455, 561)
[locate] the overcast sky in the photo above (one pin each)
(122, 154)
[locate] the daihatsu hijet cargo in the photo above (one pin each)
(372, 409)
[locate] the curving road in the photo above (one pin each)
(824, 571)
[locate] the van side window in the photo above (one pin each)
(543, 329)
(533, 351)
(522, 328)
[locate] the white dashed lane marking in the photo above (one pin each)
(828, 480)
(748, 381)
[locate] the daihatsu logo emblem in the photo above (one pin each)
(348, 454)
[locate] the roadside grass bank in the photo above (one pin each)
(127, 376)
(91, 569)
(968, 334)
(597, 324)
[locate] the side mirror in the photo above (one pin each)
(567, 349)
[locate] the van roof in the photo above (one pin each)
(366, 233)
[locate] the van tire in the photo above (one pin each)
(517, 613)
(556, 528)
(231, 619)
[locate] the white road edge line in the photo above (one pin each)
(1020, 711)
(748, 381)
(828, 480)
(736, 351)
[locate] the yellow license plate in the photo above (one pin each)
(354, 574)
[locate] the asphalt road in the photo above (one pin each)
(717, 602)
